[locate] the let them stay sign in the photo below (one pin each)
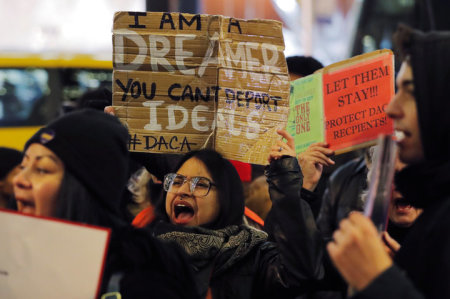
(343, 104)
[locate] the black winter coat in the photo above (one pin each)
(342, 195)
(422, 266)
(290, 259)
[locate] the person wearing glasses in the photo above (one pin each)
(75, 169)
(202, 212)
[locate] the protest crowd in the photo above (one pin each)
(203, 224)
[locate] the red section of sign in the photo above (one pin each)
(355, 98)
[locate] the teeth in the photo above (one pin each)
(399, 135)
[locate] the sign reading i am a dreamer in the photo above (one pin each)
(344, 104)
(184, 82)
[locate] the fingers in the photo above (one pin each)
(315, 157)
(279, 150)
(289, 139)
(318, 153)
(354, 228)
(109, 110)
(282, 148)
(321, 147)
(357, 251)
(390, 242)
(346, 232)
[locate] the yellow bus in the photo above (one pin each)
(34, 89)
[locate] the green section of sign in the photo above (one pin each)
(305, 120)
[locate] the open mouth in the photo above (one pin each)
(26, 207)
(184, 213)
(402, 205)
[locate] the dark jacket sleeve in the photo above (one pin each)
(326, 219)
(391, 284)
(294, 253)
(342, 195)
(313, 199)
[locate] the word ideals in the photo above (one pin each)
(177, 118)
(199, 123)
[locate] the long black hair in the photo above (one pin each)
(76, 203)
(229, 189)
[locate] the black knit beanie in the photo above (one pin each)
(93, 147)
(9, 158)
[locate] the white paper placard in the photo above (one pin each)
(48, 258)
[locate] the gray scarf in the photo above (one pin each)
(222, 247)
(211, 252)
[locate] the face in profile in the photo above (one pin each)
(185, 208)
(37, 184)
(403, 110)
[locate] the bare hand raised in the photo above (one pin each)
(312, 161)
(282, 148)
(357, 251)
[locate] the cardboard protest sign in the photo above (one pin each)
(47, 258)
(184, 82)
(354, 93)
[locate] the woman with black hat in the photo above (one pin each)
(75, 168)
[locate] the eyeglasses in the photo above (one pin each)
(199, 186)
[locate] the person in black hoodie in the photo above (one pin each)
(421, 268)
(75, 168)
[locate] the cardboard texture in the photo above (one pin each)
(184, 82)
(354, 94)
